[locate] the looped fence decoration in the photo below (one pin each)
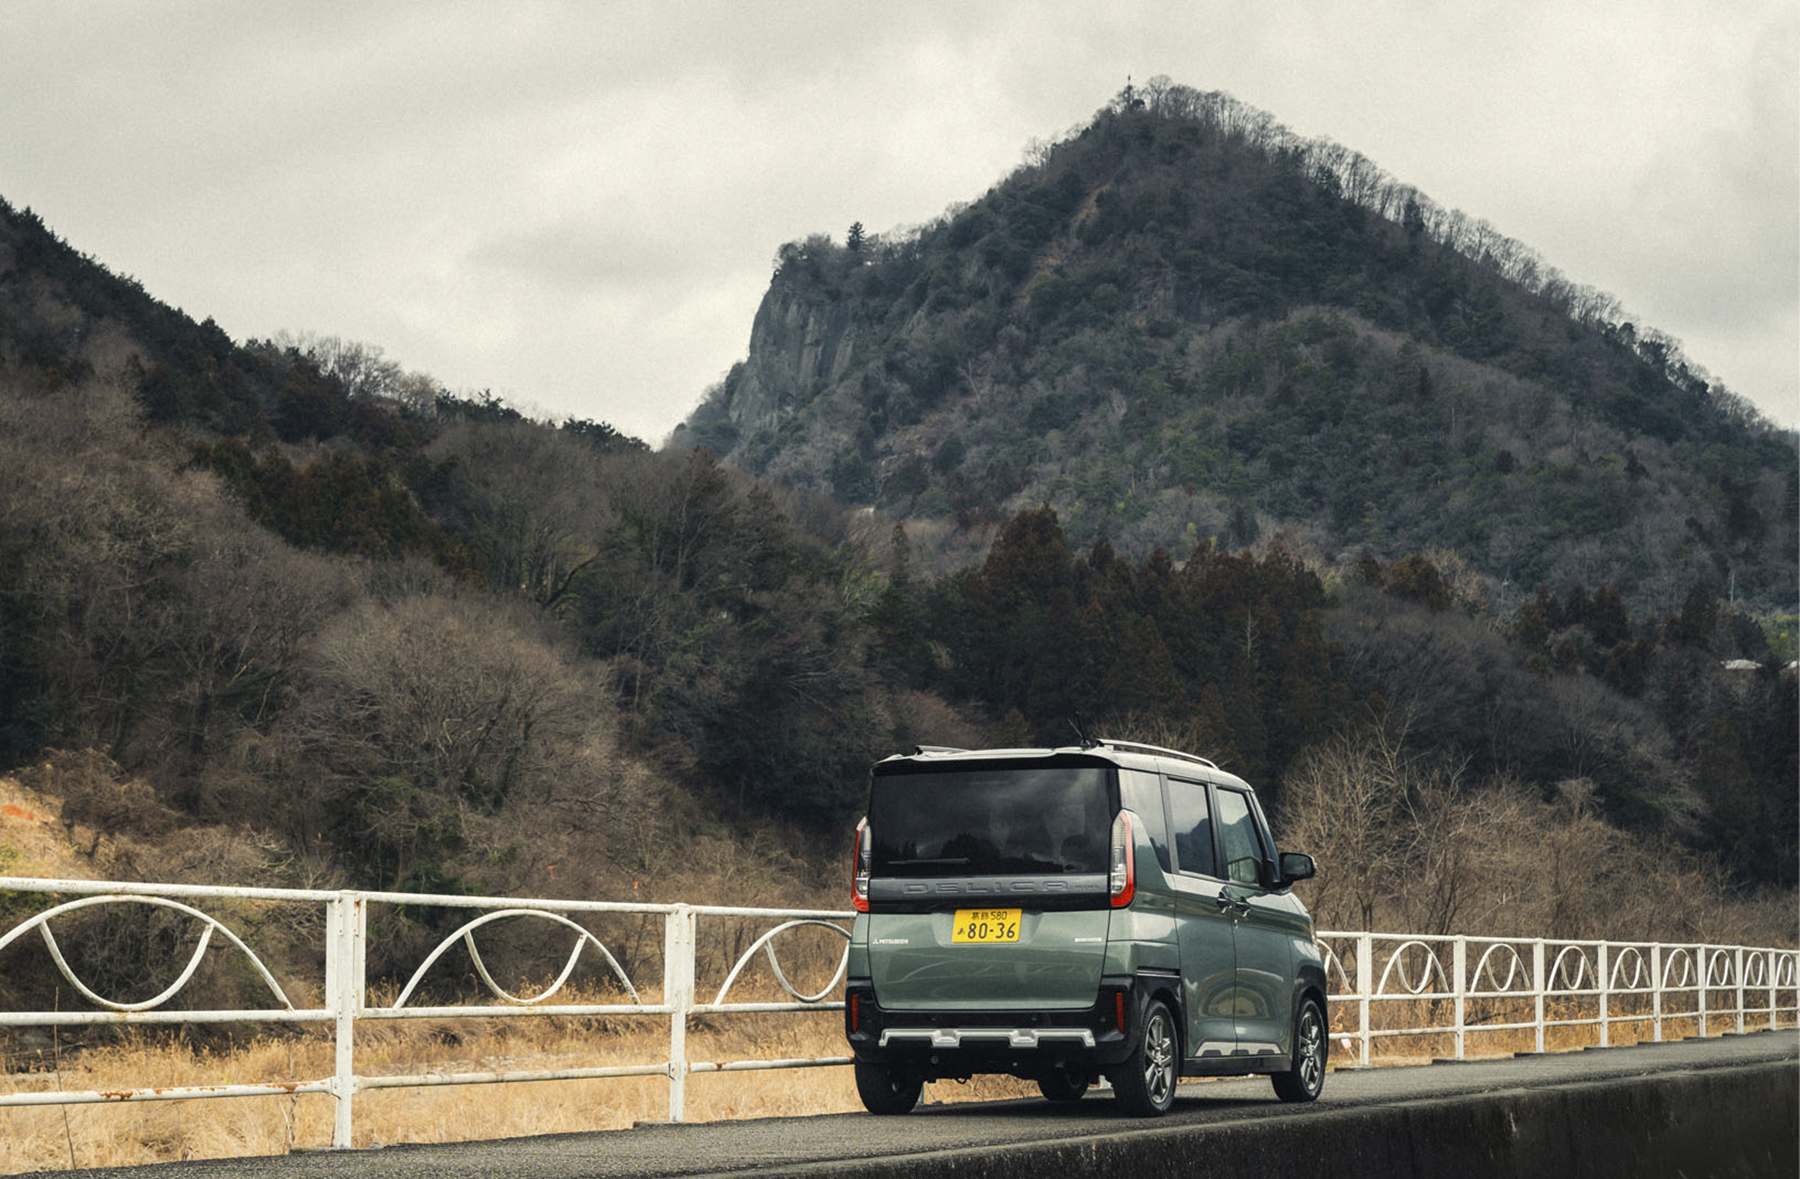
(1335, 966)
(1629, 958)
(766, 943)
(1678, 970)
(41, 923)
(1573, 971)
(466, 935)
(1429, 968)
(1487, 966)
(1721, 968)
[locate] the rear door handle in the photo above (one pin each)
(1236, 906)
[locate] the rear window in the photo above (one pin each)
(1036, 820)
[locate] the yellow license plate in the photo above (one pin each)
(985, 926)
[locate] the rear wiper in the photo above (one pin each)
(945, 860)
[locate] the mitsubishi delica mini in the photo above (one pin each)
(1106, 910)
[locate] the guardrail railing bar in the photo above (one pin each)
(497, 1010)
(164, 1093)
(433, 1080)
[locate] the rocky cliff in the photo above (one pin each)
(798, 346)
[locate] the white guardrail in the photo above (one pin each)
(1382, 985)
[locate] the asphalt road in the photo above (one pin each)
(724, 1148)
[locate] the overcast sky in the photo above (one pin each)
(575, 205)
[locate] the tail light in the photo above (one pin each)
(860, 859)
(862, 1014)
(1113, 1008)
(1122, 880)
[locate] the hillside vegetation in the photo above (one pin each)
(1183, 322)
(282, 612)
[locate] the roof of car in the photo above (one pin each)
(1131, 754)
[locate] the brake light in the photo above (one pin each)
(1122, 880)
(860, 859)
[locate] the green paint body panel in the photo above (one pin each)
(1055, 964)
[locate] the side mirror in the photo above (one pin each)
(1296, 866)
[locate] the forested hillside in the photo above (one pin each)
(410, 639)
(281, 612)
(1184, 322)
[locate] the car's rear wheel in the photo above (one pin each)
(1311, 1044)
(1145, 1083)
(1063, 1085)
(885, 1089)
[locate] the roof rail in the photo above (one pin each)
(1158, 749)
(918, 749)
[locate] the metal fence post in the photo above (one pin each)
(345, 932)
(1656, 986)
(1604, 957)
(1774, 991)
(1365, 988)
(1459, 961)
(1538, 982)
(1705, 972)
(1740, 988)
(678, 993)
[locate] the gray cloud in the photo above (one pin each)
(576, 204)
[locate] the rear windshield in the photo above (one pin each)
(1042, 821)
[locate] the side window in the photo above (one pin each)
(1141, 794)
(1193, 827)
(1237, 838)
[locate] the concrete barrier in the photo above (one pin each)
(1728, 1121)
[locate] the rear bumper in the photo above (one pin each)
(942, 1039)
(1025, 1043)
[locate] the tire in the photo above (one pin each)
(1312, 1046)
(1145, 1083)
(885, 1089)
(1063, 1086)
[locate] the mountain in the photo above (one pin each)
(1183, 322)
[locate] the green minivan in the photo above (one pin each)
(1106, 910)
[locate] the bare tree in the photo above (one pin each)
(535, 503)
(424, 711)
